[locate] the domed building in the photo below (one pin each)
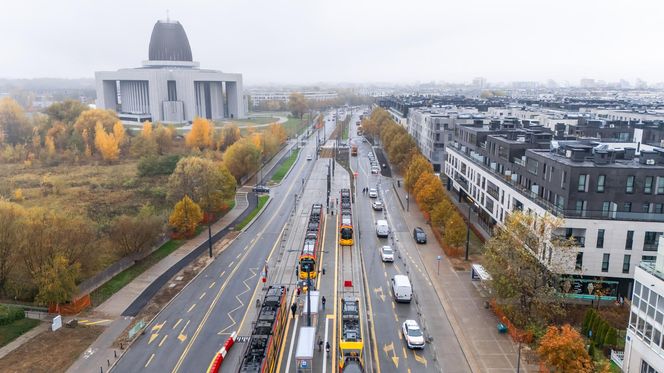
(170, 87)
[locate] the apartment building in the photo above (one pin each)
(609, 195)
(644, 342)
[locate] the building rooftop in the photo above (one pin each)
(169, 42)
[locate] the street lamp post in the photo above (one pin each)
(407, 203)
(209, 235)
(468, 232)
(309, 297)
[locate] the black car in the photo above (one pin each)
(261, 189)
(419, 235)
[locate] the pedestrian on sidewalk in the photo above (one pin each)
(323, 301)
(327, 348)
(298, 291)
(293, 308)
(320, 345)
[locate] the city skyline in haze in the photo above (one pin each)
(302, 42)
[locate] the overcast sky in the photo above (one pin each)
(310, 41)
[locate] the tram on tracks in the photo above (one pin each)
(312, 242)
(351, 344)
(262, 353)
(345, 219)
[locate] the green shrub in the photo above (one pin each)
(601, 333)
(9, 314)
(587, 321)
(163, 165)
(611, 338)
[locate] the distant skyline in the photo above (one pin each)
(309, 42)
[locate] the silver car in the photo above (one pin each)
(387, 254)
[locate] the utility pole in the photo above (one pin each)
(210, 234)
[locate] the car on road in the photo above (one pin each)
(373, 193)
(261, 189)
(412, 334)
(419, 235)
(386, 254)
(375, 170)
(377, 206)
(309, 157)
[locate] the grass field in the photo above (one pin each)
(285, 166)
(123, 278)
(262, 200)
(344, 134)
(12, 331)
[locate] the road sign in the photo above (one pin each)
(57, 323)
(136, 328)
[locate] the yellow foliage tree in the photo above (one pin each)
(146, 131)
(88, 120)
(106, 144)
(18, 195)
(455, 230)
(50, 145)
(564, 350)
(242, 158)
(200, 135)
(430, 195)
(186, 216)
(425, 179)
(119, 133)
(418, 165)
(440, 213)
(164, 137)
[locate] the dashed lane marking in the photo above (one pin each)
(420, 359)
(191, 308)
(222, 274)
(149, 360)
(202, 295)
(162, 340)
(177, 323)
(212, 284)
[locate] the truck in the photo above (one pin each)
(402, 289)
(353, 150)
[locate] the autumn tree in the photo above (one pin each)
(57, 281)
(86, 123)
(455, 231)
(11, 232)
(14, 125)
(186, 216)
(564, 350)
(229, 134)
(200, 135)
(515, 256)
(135, 234)
(242, 158)
(440, 213)
(164, 138)
(66, 111)
(119, 133)
(430, 194)
(273, 138)
(297, 104)
(418, 166)
(205, 181)
(106, 144)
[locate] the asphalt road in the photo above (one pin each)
(191, 329)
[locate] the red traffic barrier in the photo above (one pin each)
(215, 365)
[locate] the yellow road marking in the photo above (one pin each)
(201, 297)
(84, 321)
(177, 323)
(182, 337)
(158, 327)
(191, 308)
(95, 322)
(162, 340)
(153, 337)
(390, 348)
(404, 352)
(212, 284)
(149, 360)
(420, 359)
(379, 292)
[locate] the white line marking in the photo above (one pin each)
(292, 343)
(325, 355)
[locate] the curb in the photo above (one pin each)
(168, 303)
(299, 153)
(258, 215)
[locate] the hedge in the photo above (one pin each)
(9, 314)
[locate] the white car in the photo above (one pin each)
(413, 334)
(309, 157)
(373, 193)
(377, 206)
(387, 254)
(375, 170)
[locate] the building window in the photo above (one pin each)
(579, 261)
(648, 258)
(626, 260)
(645, 207)
(563, 180)
(650, 241)
(605, 208)
(630, 240)
(600, 183)
(605, 262)
(630, 185)
(600, 238)
(646, 368)
(647, 188)
(659, 208)
(582, 183)
(627, 206)
(581, 208)
(660, 185)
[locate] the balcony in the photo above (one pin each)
(519, 161)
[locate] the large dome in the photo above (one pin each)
(169, 42)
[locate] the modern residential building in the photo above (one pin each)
(433, 128)
(170, 87)
(609, 195)
(260, 97)
(644, 342)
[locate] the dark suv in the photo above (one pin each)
(261, 189)
(419, 235)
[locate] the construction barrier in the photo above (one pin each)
(215, 365)
(71, 308)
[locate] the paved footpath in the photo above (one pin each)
(475, 326)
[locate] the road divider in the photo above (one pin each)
(215, 365)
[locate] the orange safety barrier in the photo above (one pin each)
(71, 308)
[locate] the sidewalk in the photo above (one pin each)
(485, 349)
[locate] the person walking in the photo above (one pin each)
(327, 348)
(323, 301)
(293, 308)
(320, 345)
